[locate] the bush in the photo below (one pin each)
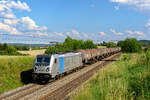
(89, 45)
(50, 50)
(21, 47)
(109, 44)
(71, 45)
(130, 45)
(8, 50)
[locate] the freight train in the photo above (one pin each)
(51, 66)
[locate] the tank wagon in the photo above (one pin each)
(54, 65)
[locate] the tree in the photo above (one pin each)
(130, 45)
(88, 44)
(5, 49)
(11, 50)
(111, 45)
(120, 43)
(51, 50)
(5, 46)
(71, 45)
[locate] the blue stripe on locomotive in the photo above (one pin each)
(61, 65)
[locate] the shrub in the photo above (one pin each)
(148, 56)
(5, 49)
(109, 44)
(21, 47)
(130, 45)
(50, 50)
(88, 44)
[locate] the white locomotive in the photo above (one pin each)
(50, 66)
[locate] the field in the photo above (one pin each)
(126, 79)
(33, 52)
(11, 68)
(101, 46)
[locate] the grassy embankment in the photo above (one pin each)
(126, 79)
(10, 71)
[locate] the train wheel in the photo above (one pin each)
(57, 77)
(45, 81)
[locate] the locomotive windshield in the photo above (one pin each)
(43, 60)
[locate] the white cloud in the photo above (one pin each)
(14, 31)
(7, 5)
(4, 27)
(139, 33)
(148, 25)
(8, 29)
(116, 33)
(116, 7)
(10, 24)
(68, 33)
(59, 34)
(28, 24)
(19, 5)
(85, 36)
(78, 35)
(75, 32)
(7, 14)
(130, 32)
(38, 33)
(142, 5)
(120, 1)
(102, 33)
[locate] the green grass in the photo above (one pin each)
(126, 79)
(10, 70)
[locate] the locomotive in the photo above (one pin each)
(47, 66)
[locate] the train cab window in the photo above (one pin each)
(55, 60)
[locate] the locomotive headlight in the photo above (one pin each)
(47, 70)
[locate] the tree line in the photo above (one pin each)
(128, 45)
(5, 49)
(71, 44)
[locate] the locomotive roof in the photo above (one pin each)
(69, 54)
(60, 55)
(44, 55)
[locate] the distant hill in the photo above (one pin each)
(146, 42)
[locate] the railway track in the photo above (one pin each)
(57, 89)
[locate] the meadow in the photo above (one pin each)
(125, 79)
(33, 52)
(11, 68)
(101, 46)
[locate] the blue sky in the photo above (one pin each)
(53, 20)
